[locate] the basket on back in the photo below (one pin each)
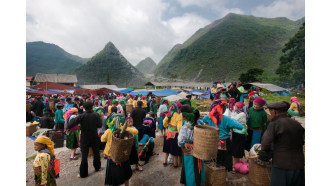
(259, 172)
(158, 100)
(129, 108)
(121, 148)
(205, 142)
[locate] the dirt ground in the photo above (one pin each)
(154, 173)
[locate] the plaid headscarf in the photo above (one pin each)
(216, 111)
(174, 108)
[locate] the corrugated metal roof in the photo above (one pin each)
(55, 78)
(268, 86)
(92, 87)
(179, 84)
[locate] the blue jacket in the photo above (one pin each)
(225, 125)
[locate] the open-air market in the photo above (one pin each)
(215, 141)
(167, 92)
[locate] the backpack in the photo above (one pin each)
(301, 110)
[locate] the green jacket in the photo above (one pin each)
(258, 118)
(185, 101)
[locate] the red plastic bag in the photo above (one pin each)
(57, 166)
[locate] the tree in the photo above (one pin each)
(291, 70)
(251, 75)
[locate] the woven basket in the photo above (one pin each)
(259, 175)
(28, 107)
(205, 142)
(121, 148)
(57, 137)
(215, 175)
(31, 129)
(129, 108)
(51, 105)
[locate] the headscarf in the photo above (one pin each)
(242, 108)
(164, 101)
(260, 101)
(217, 96)
(45, 140)
(127, 118)
(174, 108)
(295, 100)
(216, 111)
(143, 97)
(69, 112)
(114, 101)
(232, 103)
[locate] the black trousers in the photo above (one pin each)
(224, 157)
(95, 144)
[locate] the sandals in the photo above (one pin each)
(74, 158)
(139, 168)
(165, 164)
(175, 166)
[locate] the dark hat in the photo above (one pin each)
(281, 105)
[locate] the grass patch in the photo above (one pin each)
(31, 157)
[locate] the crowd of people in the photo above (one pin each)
(90, 121)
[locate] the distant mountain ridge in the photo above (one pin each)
(109, 66)
(49, 58)
(228, 47)
(146, 66)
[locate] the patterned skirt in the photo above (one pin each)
(72, 139)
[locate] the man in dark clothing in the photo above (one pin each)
(78, 104)
(285, 137)
(46, 121)
(38, 107)
(89, 122)
(138, 114)
(233, 92)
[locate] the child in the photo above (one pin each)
(116, 173)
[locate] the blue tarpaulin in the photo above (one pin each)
(54, 90)
(125, 91)
(30, 89)
(162, 93)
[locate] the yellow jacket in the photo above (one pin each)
(176, 121)
(134, 103)
(109, 109)
(145, 104)
(107, 137)
(130, 101)
(294, 107)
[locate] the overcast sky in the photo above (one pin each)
(138, 28)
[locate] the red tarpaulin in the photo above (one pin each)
(102, 91)
(44, 86)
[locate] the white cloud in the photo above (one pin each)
(185, 26)
(84, 27)
(292, 9)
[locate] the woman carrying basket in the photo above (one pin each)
(215, 118)
(192, 172)
(116, 173)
